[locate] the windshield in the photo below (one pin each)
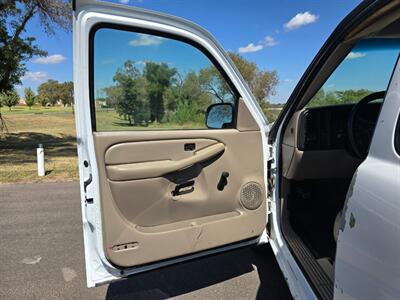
(366, 69)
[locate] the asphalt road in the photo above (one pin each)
(41, 257)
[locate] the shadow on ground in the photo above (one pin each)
(29, 140)
(192, 276)
(21, 147)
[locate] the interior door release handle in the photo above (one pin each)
(183, 188)
(189, 147)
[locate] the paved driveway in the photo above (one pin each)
(41, 257)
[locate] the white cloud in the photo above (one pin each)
(146, 40)
(250, 48)
(35, 76)
(124, 1)
(354, 55)
(300, 19)
(51, 59)
(269, 41)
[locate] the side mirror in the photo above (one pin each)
(219, 115)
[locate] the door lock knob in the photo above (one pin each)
(223, 181)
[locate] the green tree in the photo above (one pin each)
(262, 83)
(186, 101)
(159, 78)
(51, 90)
(133, 103)
(113, 95)
(351, 96)
(211, 81)
(322, 98)
(30, 97)
(167, 96)
(15, 47)
(10, 98)
(66, 93)
(42, 100)
(318, 98)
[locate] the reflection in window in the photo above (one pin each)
(149, 82)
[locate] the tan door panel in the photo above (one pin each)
(144, 221)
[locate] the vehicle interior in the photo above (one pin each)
(327, 138)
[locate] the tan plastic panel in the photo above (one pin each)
(313, 164)
(144, 213)
(322, 164)
(121, 153)
(158, 168)
(245, 121)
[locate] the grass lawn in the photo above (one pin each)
(36, 109)
(55, 129)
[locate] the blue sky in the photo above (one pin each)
(278, 35)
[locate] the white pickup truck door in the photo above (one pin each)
(156, 197)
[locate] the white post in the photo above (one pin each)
(40, 160)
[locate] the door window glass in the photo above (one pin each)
(145, 81)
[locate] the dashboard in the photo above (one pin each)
(326, 128)
(323, 128)
(316, 143)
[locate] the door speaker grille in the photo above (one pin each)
(251, 195)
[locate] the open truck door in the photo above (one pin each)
(172, 145)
